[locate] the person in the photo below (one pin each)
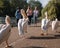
(45, 24)
(5, 31)
(29, 14)
(22, 23)
(18, 14)
(35, 14)
(55, 25)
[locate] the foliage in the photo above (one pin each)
(53, 9)
(9, 6)
(34, 3)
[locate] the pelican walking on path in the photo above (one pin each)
(5, 31)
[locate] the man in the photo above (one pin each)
(18, 14)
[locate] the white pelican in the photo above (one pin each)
(55, 25)
(22, 23)
(5, 31)
(45, 24)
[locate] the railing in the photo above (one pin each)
(13, 20)
(2, 19)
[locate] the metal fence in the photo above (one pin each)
(13, 20)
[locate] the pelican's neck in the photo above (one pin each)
(7, 23)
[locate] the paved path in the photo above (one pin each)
(33, 39)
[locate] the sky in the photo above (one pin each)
(44, 2)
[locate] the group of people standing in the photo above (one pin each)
(30, 14)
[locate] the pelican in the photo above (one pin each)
(5, 31)
(45, 24)
(55, 25)
(22, 23)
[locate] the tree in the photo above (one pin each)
(53, 9)
(18, 3)
(34, 3)
(1, 6)
(9, 6)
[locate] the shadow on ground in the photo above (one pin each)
(45, 37)
(35, 26)
(57, 36)
(33, 47)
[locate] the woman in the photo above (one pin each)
(35, 14)
(22, 24)
(45, 25)
(29, 14)
(5, 31)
